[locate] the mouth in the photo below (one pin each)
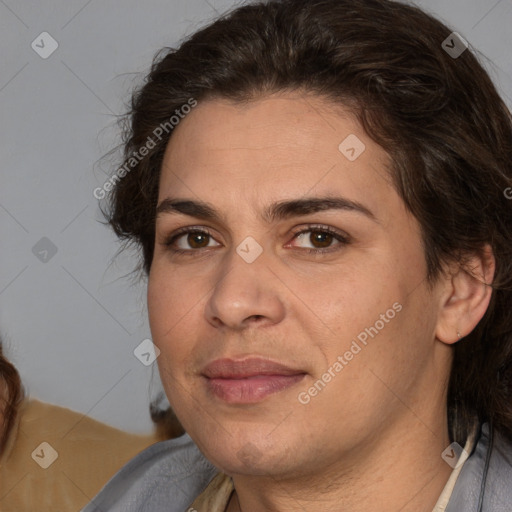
(249, 380)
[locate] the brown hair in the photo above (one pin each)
(440, 118)
(11, 395)
(166, 422)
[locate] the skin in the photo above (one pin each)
(372, 438)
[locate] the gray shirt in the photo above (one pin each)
(169, 475)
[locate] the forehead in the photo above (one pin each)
(292, 120)
(282, 146)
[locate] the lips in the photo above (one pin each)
(248, 380)
(231, 369)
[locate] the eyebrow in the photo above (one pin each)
(277, 211)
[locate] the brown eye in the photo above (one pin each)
(318, 239)
(321, 239)
(197, 240)
(190, 241)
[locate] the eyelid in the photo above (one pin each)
(321, 228)
(341, 237)
(171, 239)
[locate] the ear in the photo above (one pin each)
(465, 296)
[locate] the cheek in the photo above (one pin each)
(168, 305)
(157, 306)
(165, 331)
(366, 317)
(173, 308)
(347, 301)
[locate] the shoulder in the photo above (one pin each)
(56, 457)
(485, 481)
(167, 476)
(45, 418)
(498, 484)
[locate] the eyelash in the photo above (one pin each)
(342, 239)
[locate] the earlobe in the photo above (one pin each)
(466, 296)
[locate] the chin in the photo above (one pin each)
(250, 455)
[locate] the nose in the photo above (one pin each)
(245, 294)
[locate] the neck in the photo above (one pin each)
(391, 472)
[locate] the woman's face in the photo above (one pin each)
(338, 296)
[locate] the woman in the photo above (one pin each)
(318, 191)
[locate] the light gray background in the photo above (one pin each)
(71, 323)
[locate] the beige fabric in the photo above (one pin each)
(89, 453)
(215, 497)
(444, 498)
